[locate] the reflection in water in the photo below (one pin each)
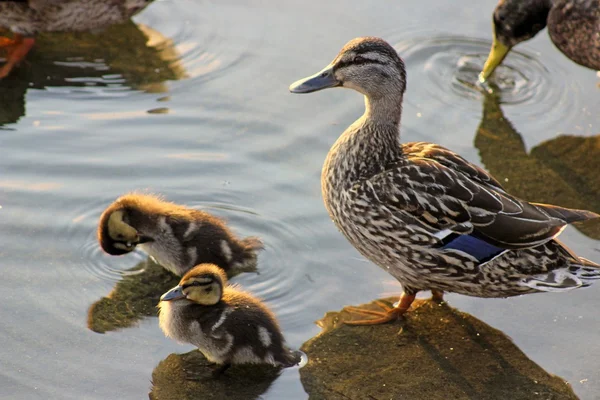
(111, 63)
(436, 352)
(447, 68)
(189, 376)
(133, 298)
(561, 171)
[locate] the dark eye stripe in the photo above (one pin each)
(362, 60)
(196, 283)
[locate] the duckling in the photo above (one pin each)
(26, 18)
(574, 27)
(425, 214)
(178, 238)
(227, 325)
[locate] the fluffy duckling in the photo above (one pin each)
(177, 237)
(227, 325)
(27, 18)
(573, 25)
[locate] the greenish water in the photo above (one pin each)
(201, 113)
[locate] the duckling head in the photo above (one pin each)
(202, 285)
(514, 21)
(368, 65)
(116, 236)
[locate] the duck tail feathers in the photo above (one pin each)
(567, 214)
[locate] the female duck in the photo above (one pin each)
(574, 27)
(423, 213)
(227, 325)
(178, 238)
(26, 18)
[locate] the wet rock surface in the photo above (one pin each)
(189, 376)
(434, 352)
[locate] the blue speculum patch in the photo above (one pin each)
(480, 249)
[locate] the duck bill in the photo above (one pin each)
(321, 80)
(497, 54)
(174, 294)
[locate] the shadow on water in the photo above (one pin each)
(560, 171)
(121, 57)
(188, 376)
(435, 352)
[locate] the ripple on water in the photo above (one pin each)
(447, 68)
(276, 281)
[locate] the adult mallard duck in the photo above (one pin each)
(227, 325)
(177, 237)
(26, 18)
(423, 213)
(574, 27)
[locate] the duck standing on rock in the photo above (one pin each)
(227, 325)
(574, 27)
(26, 18)
(423, 213)
(177, 237)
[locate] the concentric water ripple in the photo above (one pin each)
(446, 68)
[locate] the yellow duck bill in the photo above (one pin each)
(321, 80)
(174, 294)
(497, 54)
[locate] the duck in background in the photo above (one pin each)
(177, 237)
(573, 25)
(228, 325)
(26, 18)
(425, 214)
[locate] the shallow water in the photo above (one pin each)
(202, 114)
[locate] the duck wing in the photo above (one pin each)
(442, 193)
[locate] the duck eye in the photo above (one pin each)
(358, 59)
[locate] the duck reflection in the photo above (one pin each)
(132, 299)
(189, 376)
(27, 18)
(435, 352)
(123, 56)
(562, 170)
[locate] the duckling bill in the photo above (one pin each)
(423, 213)
(177, 237)
(227, 325)
(573, 25)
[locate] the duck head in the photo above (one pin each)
(202, 285)
(368, 65)
(115, 235)
(514, 21)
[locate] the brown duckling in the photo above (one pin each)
(177, 237)
(227, 325)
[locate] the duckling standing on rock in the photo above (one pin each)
(227, 325)
(178, 238)
(26, 18)
(574, 27)
(423, 213)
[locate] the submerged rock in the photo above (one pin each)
(189, 376)
(435, 352)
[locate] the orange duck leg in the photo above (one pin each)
(16, 49)
(388, 314)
